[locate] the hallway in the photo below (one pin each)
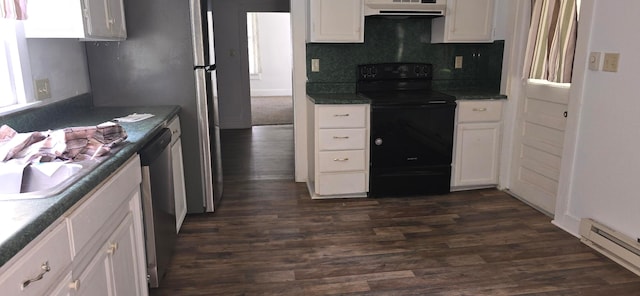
(258, 153)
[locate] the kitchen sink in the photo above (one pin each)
(41, 180)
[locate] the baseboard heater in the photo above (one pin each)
(615, 245)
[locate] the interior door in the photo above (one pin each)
(539, 142)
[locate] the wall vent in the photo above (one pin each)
(615, 245)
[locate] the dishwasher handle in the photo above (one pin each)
(152, 150)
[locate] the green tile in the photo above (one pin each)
(390, 39)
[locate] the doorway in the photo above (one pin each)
(265, 151)
(270, 68)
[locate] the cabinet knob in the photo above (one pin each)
(341, 138)
(113, 247)
(341, 115)
(44, 268)
(75, 285)
(341, 159)
(479, 109)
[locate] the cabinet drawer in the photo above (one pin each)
(341, 139)
(341, 116)
(53, 251)
(479, 111)
(341, 183)
(340, 161)
(86, 221)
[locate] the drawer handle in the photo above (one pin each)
(45, 268)
(341, 138)
(75, 285)
(341, 159)
(341, 115)
(113, 247)
(479, 109)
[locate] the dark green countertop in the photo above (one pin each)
(23, 220)
(475, 94)
(338, 98)
(352, 98)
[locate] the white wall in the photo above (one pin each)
(602, 173)
(274, 42)
(63, 62)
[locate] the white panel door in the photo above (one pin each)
(538, 143)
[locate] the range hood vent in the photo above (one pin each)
(405, 7)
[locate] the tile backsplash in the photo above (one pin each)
(404, 40)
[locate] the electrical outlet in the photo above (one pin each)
(315, 65)
(458, 63)
(610, 63)
(43, 91)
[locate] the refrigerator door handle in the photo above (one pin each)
(208, 68)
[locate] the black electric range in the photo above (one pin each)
(411, 130)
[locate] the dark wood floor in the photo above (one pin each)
(269, 238)
(258, 153)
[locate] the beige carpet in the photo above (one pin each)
(271, 110)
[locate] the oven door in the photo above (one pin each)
(411, 149)
(412, 136)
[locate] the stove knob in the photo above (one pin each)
(378, 141)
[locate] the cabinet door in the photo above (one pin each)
(95, 279)
(178, 183)
(116, 21)
(477, 147)
(121, 248)
(97, 18)
(465, 21)
(105, 19)
(336, 21)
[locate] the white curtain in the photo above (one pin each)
(13, 9)
(552, 39)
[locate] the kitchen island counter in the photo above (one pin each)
(21, 221)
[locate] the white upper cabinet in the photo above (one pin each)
(465, 21)
(339, 21)
(83, 19)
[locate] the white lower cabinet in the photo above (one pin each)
(339, 150)
(477, 148)
(97, 248)
(179, 189)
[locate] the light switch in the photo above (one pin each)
(43, 90)
(458, 63)
(611, 62)
(315, 65)
(594, 61)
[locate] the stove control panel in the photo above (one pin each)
(394, 71)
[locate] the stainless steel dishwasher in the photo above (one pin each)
(158, 205)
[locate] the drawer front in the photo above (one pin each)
(341, 139)
(479, 111)
(53, 251)
(342, 183)
(86, 221)
(341, 116)
(174, 126)
(341, 161)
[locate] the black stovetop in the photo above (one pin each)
(398, 84)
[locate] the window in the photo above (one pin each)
(252, 38)
(15, 81)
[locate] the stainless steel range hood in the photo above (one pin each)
(405, 7)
